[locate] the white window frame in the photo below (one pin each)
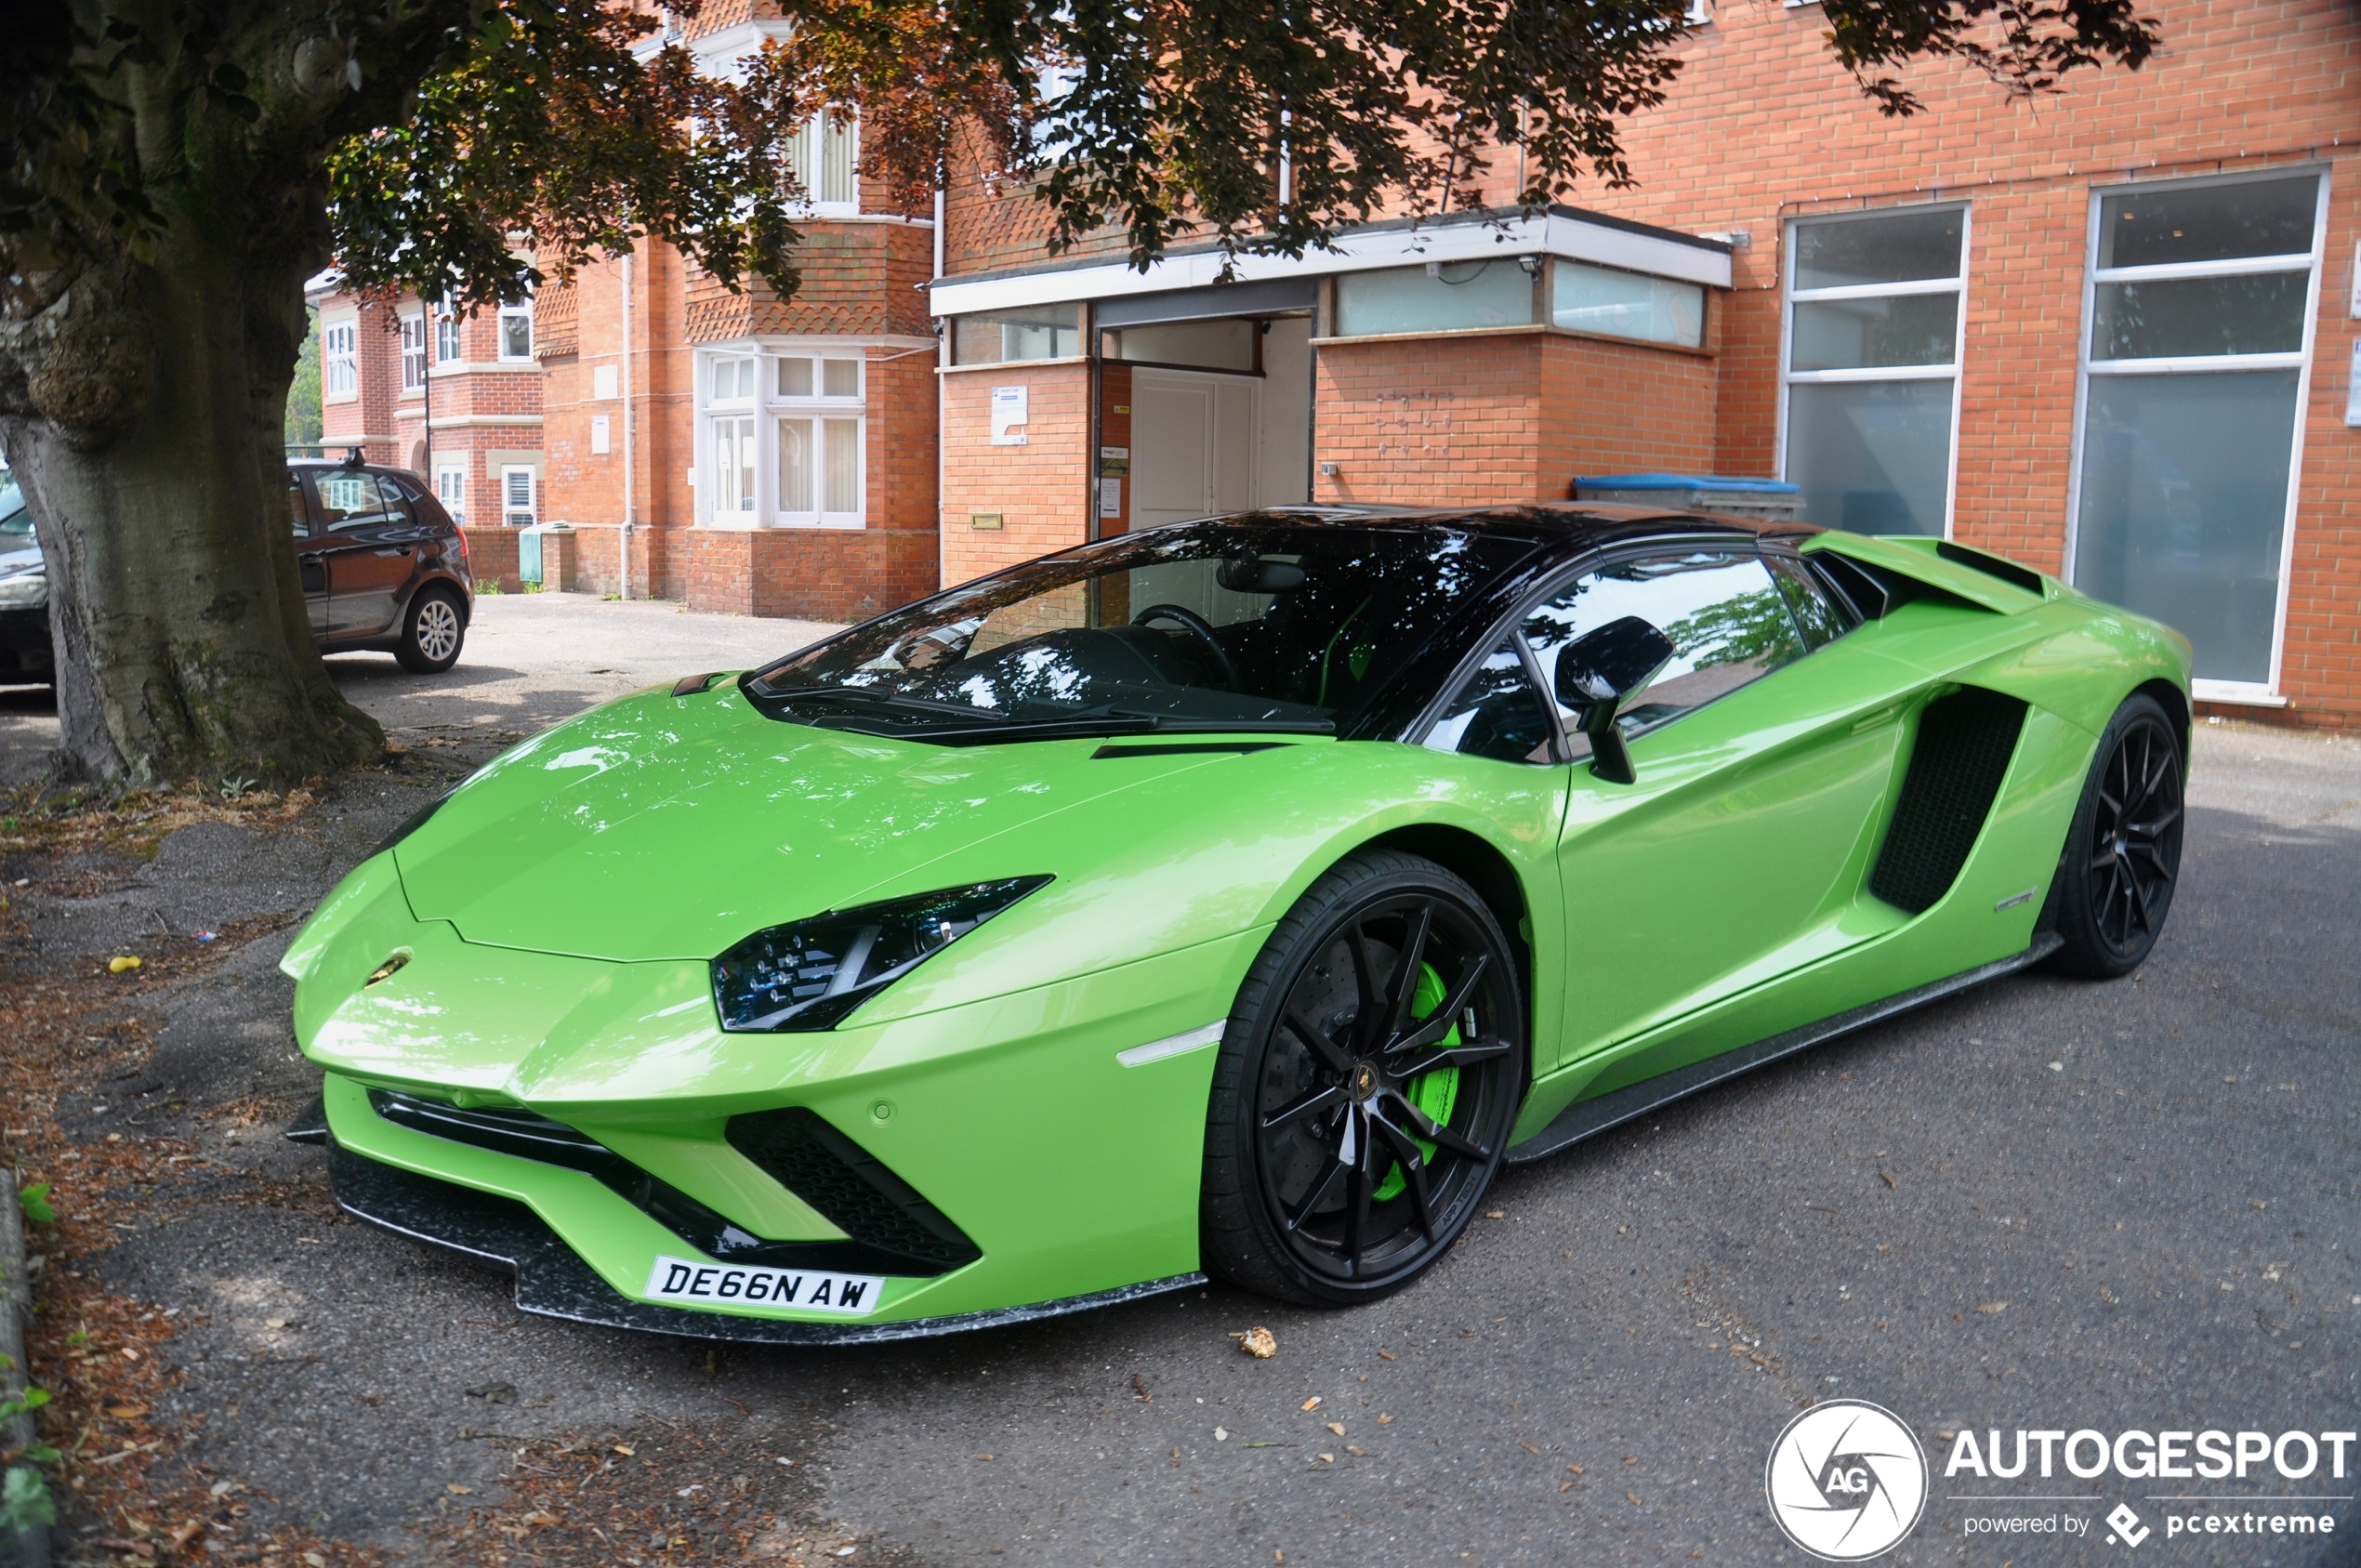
(2265, 694)
(508, 471)
(451, 489)
(339, 351)
(768, 409)
(415, 360)
(513, 309)
(806, 151)
(448, 331)
(1955, 370)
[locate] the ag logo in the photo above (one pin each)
(1846, 1480)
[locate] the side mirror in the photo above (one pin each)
(1599, 673)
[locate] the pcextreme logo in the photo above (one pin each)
(1846, 1480)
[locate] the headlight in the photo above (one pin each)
(26, 590)
(808, 975)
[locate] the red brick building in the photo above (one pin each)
(2112, 333)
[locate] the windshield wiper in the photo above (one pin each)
(883, 702)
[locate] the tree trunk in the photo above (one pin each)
(154, 462)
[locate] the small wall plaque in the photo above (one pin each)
(984, 519)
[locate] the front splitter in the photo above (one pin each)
(553, 1281)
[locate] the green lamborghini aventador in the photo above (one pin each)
(1229, 898)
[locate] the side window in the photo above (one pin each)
(302, 514)
(1819, 614)
(1726, 616)
(1496, 714)
(348, 501)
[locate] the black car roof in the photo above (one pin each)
(1565, 527)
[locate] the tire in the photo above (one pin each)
(433, 628)
(2122, 855)
(1345, 1151)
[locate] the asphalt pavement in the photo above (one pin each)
(2047, 1204)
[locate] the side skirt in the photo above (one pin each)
(1588, 1118)
(553, 1282)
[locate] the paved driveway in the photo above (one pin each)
(2046, 1204)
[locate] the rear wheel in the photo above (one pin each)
(2123, 853)
(431, 632)
(1366, 1086)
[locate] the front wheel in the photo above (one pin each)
(1366, 1086)
(431, 633)
(2123, 853)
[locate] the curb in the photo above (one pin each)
(28, 1548)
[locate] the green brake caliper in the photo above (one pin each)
(1433, 1092)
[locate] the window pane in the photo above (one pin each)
(794, 378)
(1627, 305)
(1496, 714)
(1879, 250)
(2207, 222)
(733, 464)
(1872, 456)
(1850, 333)
(1817, 615)
(2184, 495)
(1215, 345)
(795, 465)
(1468, 294)
(2260, 313)
(836, 162)
(302, 514)
(840, 378)
(349, 501)
(516, 334)
(1046, 332)
(1721, 611)
(843, 464)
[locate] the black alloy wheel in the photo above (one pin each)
(2123, 854)
(1366, 1086)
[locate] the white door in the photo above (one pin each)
(1193, 447)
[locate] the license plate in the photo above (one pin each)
(735, 1284)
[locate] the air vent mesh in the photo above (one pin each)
(1961, 753)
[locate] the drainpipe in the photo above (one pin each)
(630, 476)
(941, 358)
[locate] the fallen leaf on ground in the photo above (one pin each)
(1384, 1421)
(126, 1411)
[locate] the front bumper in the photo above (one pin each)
(552, 1281)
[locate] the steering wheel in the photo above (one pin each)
(1199, 628)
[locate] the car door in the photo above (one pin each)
(1763, 754)
(312, 566)
(370, 545)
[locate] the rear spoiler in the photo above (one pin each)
(1957, 572)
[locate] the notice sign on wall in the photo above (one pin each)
(1110, 497)
(1008, 416)
(601, 438)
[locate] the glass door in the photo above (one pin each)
(2197, 331)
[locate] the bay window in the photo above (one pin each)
(785, 437)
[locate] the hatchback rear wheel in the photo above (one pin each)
(1366, 1086)
(432, 632)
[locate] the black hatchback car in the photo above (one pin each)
(383, 567)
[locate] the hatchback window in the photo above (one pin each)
(1725, 617)
(348, 501)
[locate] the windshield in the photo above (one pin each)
(1253, 624)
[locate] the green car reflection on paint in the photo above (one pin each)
(1228, 899)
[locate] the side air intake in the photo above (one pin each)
(849, 1185)
(1962, 751)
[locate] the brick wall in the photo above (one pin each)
(1037, 490)
(1491, 418)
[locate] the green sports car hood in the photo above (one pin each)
(664, 828)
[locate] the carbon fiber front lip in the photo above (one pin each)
(552, 1281)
